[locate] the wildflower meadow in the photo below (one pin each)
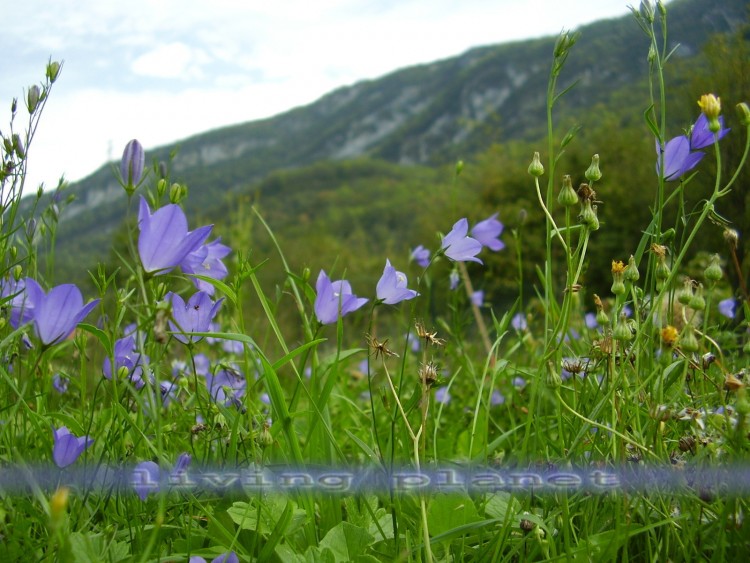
(145, 420)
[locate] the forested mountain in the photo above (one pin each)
(384, 150)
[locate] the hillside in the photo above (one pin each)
(429, 115)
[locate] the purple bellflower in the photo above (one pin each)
(421, 256)
(590, 320)
(20, 301)
(453, 280)
(391, 288)
(682, 154)
(227, 387)
(477, 298)
(181, 465)
(194, 316)
(442, 395)
(127, 355)
(228, 557)
(678, 159)
(60, 383)
(727, 307)
(519, 322)
(67, 447)
(334, 299)
(57, 313)
(460, 247)
(488, 233)
(164, 241)
(145, 479)
(701, 136)
(206, 261)
(497, 398)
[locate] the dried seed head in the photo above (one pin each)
(687, 444)
(659, 250)
(379, 348)
(428, 374)
(428, 337)
(732, 237)
(586, 193)
(732, 383)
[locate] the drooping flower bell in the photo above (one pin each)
(67, 447)
(57, 313)
(206, 261)
(165, 241)
(391, 288)
(421, 256)
(460, 247)
(334, 299)
(488, 233)
(194, 316)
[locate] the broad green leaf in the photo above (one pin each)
(346, 541)
(319, 555)
(446, 512)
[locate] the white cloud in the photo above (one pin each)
(173, 60)
(162, 70)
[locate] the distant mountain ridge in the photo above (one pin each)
(427, 114)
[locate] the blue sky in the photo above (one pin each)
(163, 70)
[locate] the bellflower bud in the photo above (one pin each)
(536, 168)
(743, 111)
(568, 196)
(18, 146)
(176, 193)
(53, 70)
(593, 174)
(32, 98)
(131, 165)
(647, 10)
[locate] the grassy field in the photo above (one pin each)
(153, 421)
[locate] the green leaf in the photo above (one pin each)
(319, 555)
(347, 541)
(502, 506)
(102, 336)
(446, 512)
(220, 285)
